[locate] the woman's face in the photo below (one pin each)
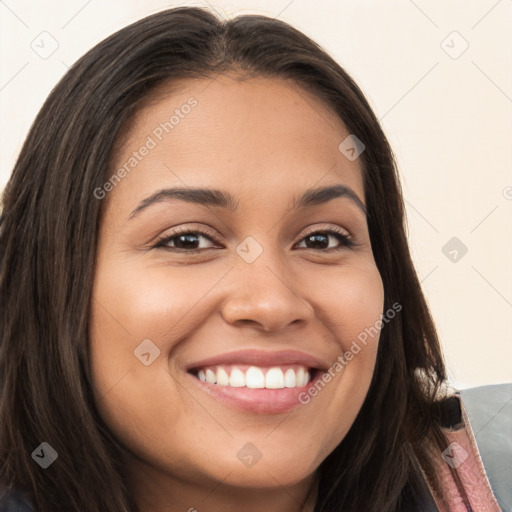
(247, 278)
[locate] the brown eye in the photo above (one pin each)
(322, 240)
(185, 241)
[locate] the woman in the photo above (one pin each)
(208, 302)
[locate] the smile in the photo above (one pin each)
(257, 381)
(255, 377)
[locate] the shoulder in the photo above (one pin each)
(13, 501)
(489, 410)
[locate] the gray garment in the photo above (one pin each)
(490, 413)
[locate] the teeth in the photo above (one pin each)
(255, 378)
(222, 377)
(211, 377)
(289, 378)
(274, 379)
(237, 378)
(301, 379)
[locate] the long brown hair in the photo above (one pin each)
(48, 239)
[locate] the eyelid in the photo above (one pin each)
(325, 228)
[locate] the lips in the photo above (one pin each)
(255, 380)
(262, 358)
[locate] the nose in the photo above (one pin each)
(264, 296)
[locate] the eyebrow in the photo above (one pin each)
(223, 199)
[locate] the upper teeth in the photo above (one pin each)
(255, 377)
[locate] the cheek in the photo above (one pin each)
(131, 305)
(132, 311)
(349, 302)
(134, 303)
(150, 302)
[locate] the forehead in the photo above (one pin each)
(253, 134)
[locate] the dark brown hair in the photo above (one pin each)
(48, 238)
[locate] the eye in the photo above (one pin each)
(186, 241)
(321, 240)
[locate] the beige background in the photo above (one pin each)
(447, 110)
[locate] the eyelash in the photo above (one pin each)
(345, 240)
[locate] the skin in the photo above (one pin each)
(265, 141)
